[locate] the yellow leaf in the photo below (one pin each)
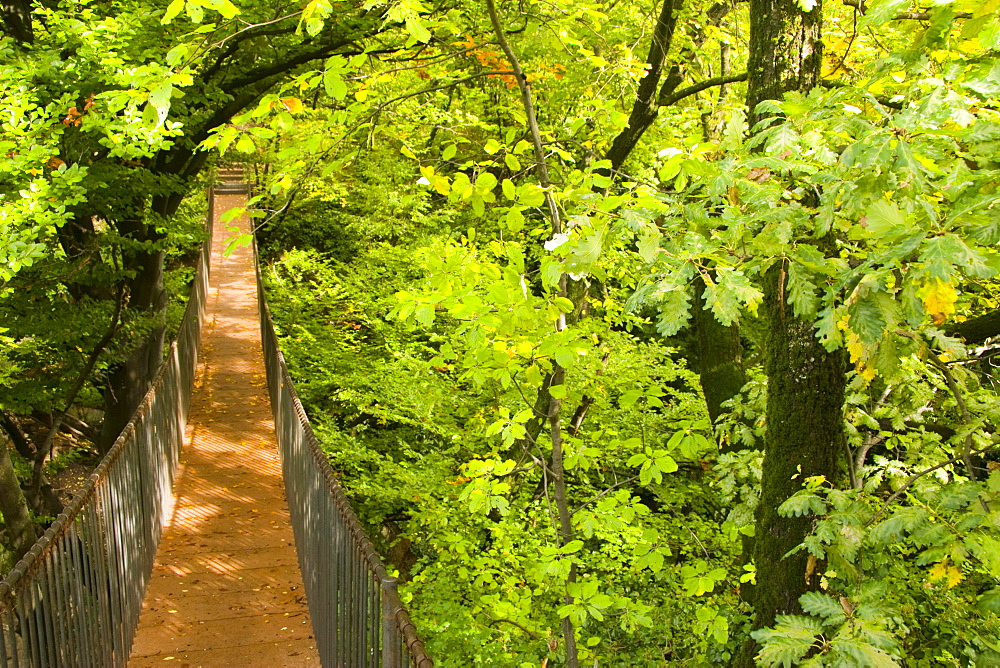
(939, 299)
(954, 576)
(855, 347)
(939, 570)
(292, 104)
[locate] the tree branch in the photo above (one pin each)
(676, 96)
(558, 372)
(862, 7)
(966, 416)
(977, 329)
(604, 493)
(511, 621)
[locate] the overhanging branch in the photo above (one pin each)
(676, 96)
(862, 7)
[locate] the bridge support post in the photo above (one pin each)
(391, 643)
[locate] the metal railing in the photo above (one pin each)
(75, 598)
(358, 618)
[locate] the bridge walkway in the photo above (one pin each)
(226, 587)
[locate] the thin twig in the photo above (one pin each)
(916, 476)
(511, 621)
(966, 415)
(597, 497)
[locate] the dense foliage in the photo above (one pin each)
(638, 334)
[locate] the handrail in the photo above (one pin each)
(358, 618)
(75, 597)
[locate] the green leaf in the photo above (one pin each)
(224, 7)
(565, 357)
(173, 9)
(867, 319)
(509, 190)
(665, 464)
(989, 601)
(637, 460)
(649, 244)
(959, 494)
(882, 12)
(335, 85)
(530, 195)
(586, 253)
(861, 653)
(571, 547)
(159, 97)
(884, 220)
(514, 220)
(194, 11)
(557, 391)
(417, 29)
(563, 304)
(787, 643)
(801, 292)
(626, 401)
(486, 182)
(731, 291)
(822, 605)
(802, 503)
(675, 310)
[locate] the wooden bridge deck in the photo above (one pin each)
(226, 588)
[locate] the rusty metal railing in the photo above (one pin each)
(74, 599)
(357, 616)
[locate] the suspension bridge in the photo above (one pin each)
(214, 532)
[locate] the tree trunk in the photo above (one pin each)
(19, 530)
(804, 438)
(786, 52)
(129, 383)
(17, 20)
(806, 384)
(720, 356)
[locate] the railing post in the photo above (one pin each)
(391, 645)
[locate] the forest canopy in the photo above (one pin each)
(641, 334)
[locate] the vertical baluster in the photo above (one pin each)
(81, 594)
(112, 541)
(29, 634)
(13, 651)
(391, 641)
(335, 586)
(46, 607)
(359, 606)
(60, 612)
(8, 649)
(102, 589)
(3, 640)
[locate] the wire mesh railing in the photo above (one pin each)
(357, 616)
(75, 598)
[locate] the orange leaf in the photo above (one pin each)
(292, 104)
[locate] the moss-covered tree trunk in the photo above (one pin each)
(804, 438)
(720, 356)
(806, 384)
